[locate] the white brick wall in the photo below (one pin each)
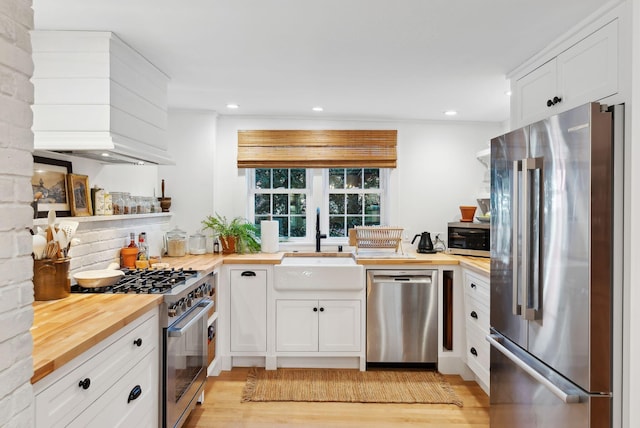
(16, 166)
(101, 240)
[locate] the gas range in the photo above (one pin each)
(181, 288)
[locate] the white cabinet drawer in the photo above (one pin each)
(61, 396)
(476, 312)
(125, 408)
(477, 286)
(478, 348)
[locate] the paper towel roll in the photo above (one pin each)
(269, 236)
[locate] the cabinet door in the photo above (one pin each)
(533, 91)
(297, 325)
(588, 71)
(339, 326)
(248, 310)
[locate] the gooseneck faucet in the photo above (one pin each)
(319, 235)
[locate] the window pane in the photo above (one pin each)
(263, 204)
(354, 178)
(336, 204)
(280, 178)
(298, 203)
(353, 221)
(372, 204)
(354, 203)
(336, 178)
(283, 226)
(372, 178)
(372, 220)
(298, 226)
(263, 178)
(336, 226)
(258, 220)
(298, 179)
(280, 204)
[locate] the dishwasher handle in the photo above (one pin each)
(404, 279)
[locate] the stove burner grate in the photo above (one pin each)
(143, 281)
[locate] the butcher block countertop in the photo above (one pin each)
(63, 329)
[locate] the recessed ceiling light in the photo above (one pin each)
(450, 112)
(317, 108)
(106, 155)
(233, 106)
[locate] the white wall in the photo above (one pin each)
(16, 168)
(437, 168)
(190, 182)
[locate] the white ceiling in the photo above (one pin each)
(378, 59)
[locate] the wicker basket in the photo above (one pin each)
(378, 237)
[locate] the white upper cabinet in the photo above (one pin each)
(585, 72)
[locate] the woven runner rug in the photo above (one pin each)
(349, 386)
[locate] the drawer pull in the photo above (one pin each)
(84, 384)
(473, 285)
(474, 315)
(248, 273)
(473, 352)
(138, 342)
(135, 393)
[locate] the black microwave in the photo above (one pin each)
(469, 239)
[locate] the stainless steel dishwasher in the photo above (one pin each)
(402, 317)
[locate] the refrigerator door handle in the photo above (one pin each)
(530, 267)
(494, 339)
(515, 225)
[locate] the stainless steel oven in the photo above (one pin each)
(185, 349)
(185, 359)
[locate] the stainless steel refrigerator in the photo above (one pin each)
(552, 269)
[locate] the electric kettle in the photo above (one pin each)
(425, 245)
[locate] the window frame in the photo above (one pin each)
(308, 191)
(326, 190)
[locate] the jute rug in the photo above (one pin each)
(348, 386)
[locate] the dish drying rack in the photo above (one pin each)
(379, 237)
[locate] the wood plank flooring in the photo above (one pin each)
(223, 408)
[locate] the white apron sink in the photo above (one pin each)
(318, 273)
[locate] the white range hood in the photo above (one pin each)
(96, 97)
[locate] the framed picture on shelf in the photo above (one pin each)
(79, 195)
(49, 185)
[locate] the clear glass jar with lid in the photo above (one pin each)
(117, 201)
(176, 241)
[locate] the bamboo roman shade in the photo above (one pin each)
(317, 149)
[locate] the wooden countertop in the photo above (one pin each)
(63, 329)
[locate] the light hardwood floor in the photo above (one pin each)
(223, 408)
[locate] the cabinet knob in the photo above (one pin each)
(84, 384)
(473, 285)
(473, 352)
(138, 342)
(321, 309)
(474, 315)
(549, 103)
(556, 100)
(315, 309)
(135, 393)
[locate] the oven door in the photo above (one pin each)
(185, 354)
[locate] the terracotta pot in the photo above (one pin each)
(228, 244)
(467, 212)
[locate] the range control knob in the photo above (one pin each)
(173, 311)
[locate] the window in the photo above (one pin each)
(281, 194)
(348, 197)
(354, 198)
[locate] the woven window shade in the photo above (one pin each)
(317, 149)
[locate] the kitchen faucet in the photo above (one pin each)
(319, 235)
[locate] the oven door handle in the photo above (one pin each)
(192, 318)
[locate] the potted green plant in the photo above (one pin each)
(236, 236)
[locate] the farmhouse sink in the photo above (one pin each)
(321, 272)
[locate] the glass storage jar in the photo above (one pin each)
(176, 240)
